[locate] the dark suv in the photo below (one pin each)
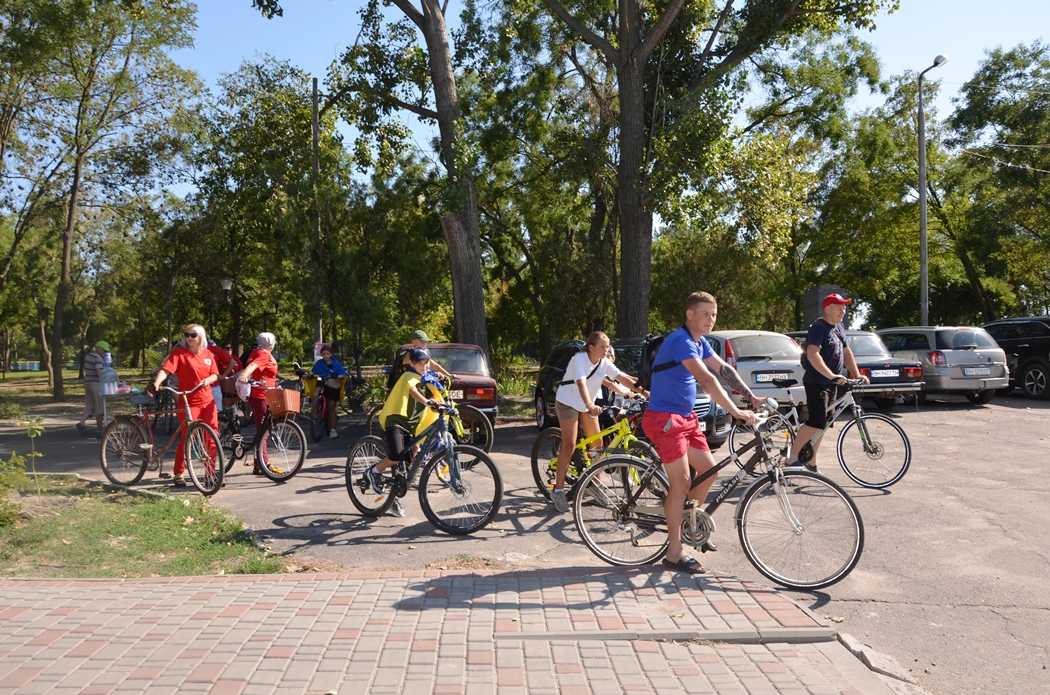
(714, 419)
(1026, 342)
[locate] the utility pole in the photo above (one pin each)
(924, 268)
(315, 128)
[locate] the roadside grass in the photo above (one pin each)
(65, 527)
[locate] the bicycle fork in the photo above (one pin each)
(780, 488)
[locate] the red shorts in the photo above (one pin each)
(673, 435)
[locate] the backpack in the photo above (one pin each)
(647, 367)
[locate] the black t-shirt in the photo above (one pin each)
(832, 343)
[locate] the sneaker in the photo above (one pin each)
(375, 479)
(178, 481)
(398, 509)
(333, 435)
(560, 500)
(276, 470)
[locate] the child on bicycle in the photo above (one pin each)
(398, 415)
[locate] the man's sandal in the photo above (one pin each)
(685, 564)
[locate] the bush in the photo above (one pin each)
(515, 374)
(12, 476)
(9, 410)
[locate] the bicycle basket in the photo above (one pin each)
(282, 401)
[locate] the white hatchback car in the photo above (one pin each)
(762, 357)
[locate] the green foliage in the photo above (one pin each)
(12, 477)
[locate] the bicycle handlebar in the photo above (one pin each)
(193, 390)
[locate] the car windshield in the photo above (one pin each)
(757, 347)
(460, 360)
(868, 345)
(964, 338)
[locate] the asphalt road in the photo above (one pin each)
(952, 583)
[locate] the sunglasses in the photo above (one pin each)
(189, 335)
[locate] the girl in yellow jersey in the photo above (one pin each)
(397, 413)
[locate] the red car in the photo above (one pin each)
(472, 382)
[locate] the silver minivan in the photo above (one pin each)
(964, 360)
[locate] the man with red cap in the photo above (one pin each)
(827, 352)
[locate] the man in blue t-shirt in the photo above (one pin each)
(684, 360)
(827, 353)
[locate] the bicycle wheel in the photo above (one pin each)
(802, 531)
(545, 462)
(617, 531)
(280, 449)
(365, 453)
(463, 506)
(318, 419)
(203, 454)
(778, 433)
(478, 428)
(637, 448)
(878, 452)
(121, 451)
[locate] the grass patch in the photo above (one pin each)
(69, 528)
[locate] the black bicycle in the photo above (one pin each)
(798, 528)
(279, 445)
(460, 488)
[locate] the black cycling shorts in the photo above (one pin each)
(398, 442)
(331, 394)
(818, 396)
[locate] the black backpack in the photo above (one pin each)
(648, 367)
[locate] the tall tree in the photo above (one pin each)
(116, 103)
(389, 71)
(706, 46)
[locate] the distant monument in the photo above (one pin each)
(814, 296)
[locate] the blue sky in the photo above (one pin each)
(312, 33)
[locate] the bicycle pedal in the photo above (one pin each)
(237, 438)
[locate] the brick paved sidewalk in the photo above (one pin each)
(584, 630)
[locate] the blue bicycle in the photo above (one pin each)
(460, 488)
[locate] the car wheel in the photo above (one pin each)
(886, 404)
(980, 397)
(1035, 380)
(541, 412)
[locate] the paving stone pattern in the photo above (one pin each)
(584, 630)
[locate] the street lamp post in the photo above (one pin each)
(924, 271)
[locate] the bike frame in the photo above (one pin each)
(431, 446)
(760, 454)
(145, 413)
(622, 436)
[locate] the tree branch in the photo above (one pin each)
(660, 29)
(718, 27)
(411, 12)
(585, 33)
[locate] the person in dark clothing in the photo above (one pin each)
(827, 356)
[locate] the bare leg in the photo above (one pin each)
(568, 444)
(805, 434)
(678, 477)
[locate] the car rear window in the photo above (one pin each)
(461, 360)
(868, 346)
(775, 347)
(963, 338)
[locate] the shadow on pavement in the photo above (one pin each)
(468, 593)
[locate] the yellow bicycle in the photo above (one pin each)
(589, 450)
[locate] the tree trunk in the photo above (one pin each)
(65, 283)
(636, 219)
(45, 352)
(461, 224)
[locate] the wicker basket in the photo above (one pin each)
(282, 401)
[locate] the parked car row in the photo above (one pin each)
(901, 362)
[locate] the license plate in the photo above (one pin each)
(766, 378)
(456, 395)
(703, 426)
(977, 371)
(879, 373)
